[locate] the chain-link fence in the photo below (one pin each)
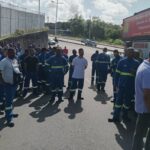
(13, 18)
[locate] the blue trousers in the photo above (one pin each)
(93, 74)
(10, 91)
(2, 94)
(76, 83)
(102, 78)
(57, 85)
(114, 89)
(123, 101)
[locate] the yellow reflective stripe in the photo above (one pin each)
(102, 62)
(57, 67)
(9, 108)
(118, 71)
(118, 106)
(126, 107)
(126, 74)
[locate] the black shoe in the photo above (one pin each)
(24, 94)
(10, 124)
(103, 90)
(60, 100)
(1, 113)
(2, 107)
(115, 120)
(15, 115)
(80, 98)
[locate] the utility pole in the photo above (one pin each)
(56, 18)
(39, 14)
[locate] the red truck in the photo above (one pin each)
(136, 32)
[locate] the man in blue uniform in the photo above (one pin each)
(102, 67)
(124, 81)
(2, 102)
(58, 67)
(93, 59)
(113, 66)
(74, 52)
(42, 76)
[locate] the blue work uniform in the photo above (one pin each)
(58, 67)
(70, 70)
(2, 91)
(113, 66)
(102, 68)
(93, 59)
(125, 80)
(42, 74)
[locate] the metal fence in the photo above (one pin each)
(14, 18)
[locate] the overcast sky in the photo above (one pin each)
(108, 10)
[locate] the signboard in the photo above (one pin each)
(137, 25)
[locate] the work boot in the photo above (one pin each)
(15, 115)
(79, 96)
(60, 100)
(35, 91)
(10, 124)
(115, 120)
(102, 89)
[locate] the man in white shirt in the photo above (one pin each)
(9, 68)
(142, 106)
(79, 64)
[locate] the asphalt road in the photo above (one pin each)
(81, 125)
(99, 46)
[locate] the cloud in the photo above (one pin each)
(108, 10)
(112, 10)
(66, 10)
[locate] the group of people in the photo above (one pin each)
(46, 68)
(131, 88)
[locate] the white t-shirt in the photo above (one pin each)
(7, 67)
(80, 65)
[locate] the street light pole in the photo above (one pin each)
(56, 18)
(39, 13)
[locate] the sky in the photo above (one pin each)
(112, 11)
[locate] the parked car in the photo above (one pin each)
(51, 42)
(89, 42)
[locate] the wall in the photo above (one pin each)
(38, 39)
(12, 19)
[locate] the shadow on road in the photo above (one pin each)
(2, 123)
(126, 130)
(47, 111)
(93, 87)
(73, 108)
(102, 97)
(22, 101)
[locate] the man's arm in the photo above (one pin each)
(147, 98)
(146, 89)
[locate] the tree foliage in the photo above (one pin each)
(91, 28)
